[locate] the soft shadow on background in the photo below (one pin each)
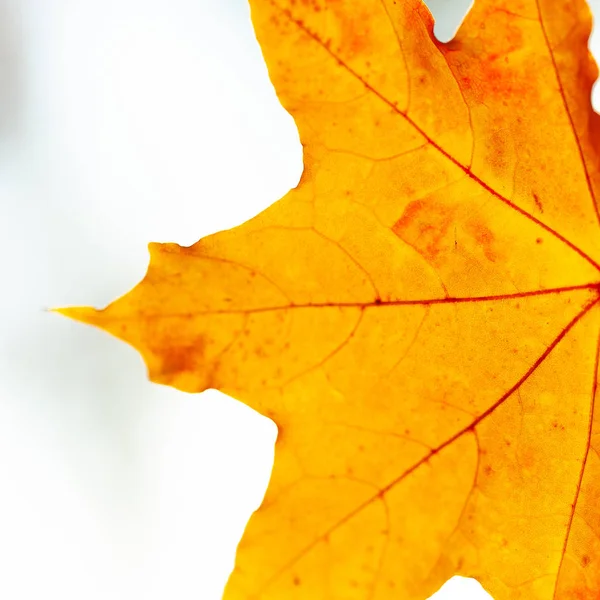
(124, 122)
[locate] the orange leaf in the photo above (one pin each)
(419, 316)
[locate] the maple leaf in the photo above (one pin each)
(420, 316)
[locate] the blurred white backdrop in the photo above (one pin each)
(124, 122)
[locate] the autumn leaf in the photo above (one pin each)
(420, 316)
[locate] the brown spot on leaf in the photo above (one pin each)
(431, 226)
(483, 237)
(585, 560)
(177, 359)
(425, 225)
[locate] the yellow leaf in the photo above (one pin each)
(420, 316)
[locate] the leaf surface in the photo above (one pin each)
(420, 316)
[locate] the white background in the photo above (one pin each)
(124, 122)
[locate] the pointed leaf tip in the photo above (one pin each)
(85, 314)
